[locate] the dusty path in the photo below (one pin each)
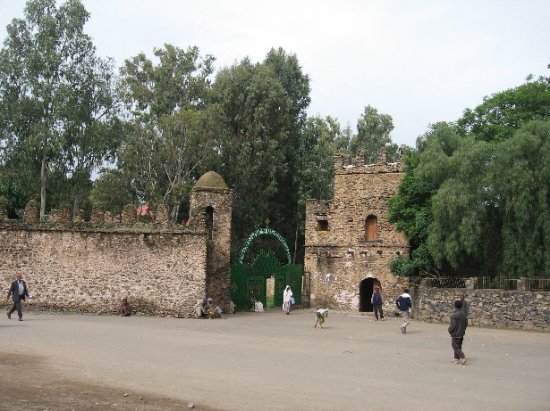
(265, 361)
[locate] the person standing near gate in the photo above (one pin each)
(376, 301)
(287, 299)
(18, 291)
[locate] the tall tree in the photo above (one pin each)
(54, 92)
(501, 114)
(473, 194)
(263, 107)
(170, 134)
(373, 134)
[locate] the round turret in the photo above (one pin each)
(210, 180)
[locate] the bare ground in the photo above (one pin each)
(264, 361)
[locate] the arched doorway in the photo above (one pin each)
(366, 289)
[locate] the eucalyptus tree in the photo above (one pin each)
(374, 133)
(170, 134)
(55, 94)
(263, 110)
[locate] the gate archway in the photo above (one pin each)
(249, 280)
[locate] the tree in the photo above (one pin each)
(410, 210)
(473, 193)
(263, 109)
(170, 134)
(501, 114)
(373, 134)
(54, 93)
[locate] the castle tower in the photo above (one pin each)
(211, 205)
(349, 241)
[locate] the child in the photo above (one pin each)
(321, 314)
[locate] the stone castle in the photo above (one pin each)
(90, 266)
(349, 241)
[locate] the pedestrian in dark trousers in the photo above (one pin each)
(457, 329)
(18, 291)
(376, 301)
(404, 303)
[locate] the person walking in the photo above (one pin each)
(376, 301)
(404, 303)
(457, 329)
(18, 292)
(287, 299)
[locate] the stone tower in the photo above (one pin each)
(349, 241)
(211, 205)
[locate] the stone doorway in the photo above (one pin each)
(366, 289)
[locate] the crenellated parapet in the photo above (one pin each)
(63, 218)
(343, 165)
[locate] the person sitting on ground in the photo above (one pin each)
(216, 312)
(125, 309)
(198, 310)
(321, 314)
(258, 307)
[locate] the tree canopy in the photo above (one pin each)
(474, 193)
(56, 99)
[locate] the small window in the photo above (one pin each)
(210, 222)
(371, 228)
(322, 225)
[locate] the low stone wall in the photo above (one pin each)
(91, 269)
(495, 308)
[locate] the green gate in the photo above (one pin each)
(248, 281)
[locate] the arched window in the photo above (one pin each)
(371, 228)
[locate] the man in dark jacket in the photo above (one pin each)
(404, 303)
(18, 291)
(376, 301)
(457, 329)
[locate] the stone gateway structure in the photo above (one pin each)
(349, 242)
(91, 266)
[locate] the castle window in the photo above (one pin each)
(371, 228)
(210, 222)
(322, 225)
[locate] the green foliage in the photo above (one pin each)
(373, 134)
(171, 134)
(475, 199)
(262, 111)
(55, 97)
(112, 191)
(503, 113)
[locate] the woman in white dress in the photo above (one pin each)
(287, 298)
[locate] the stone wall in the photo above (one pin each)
(93, 269)
(496, 308)
(339, 254)
(91, 266)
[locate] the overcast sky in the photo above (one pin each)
(419, 61)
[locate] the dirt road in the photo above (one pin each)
(264, 361)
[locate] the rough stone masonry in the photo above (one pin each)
(91, 266)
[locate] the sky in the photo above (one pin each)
(419, 61)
